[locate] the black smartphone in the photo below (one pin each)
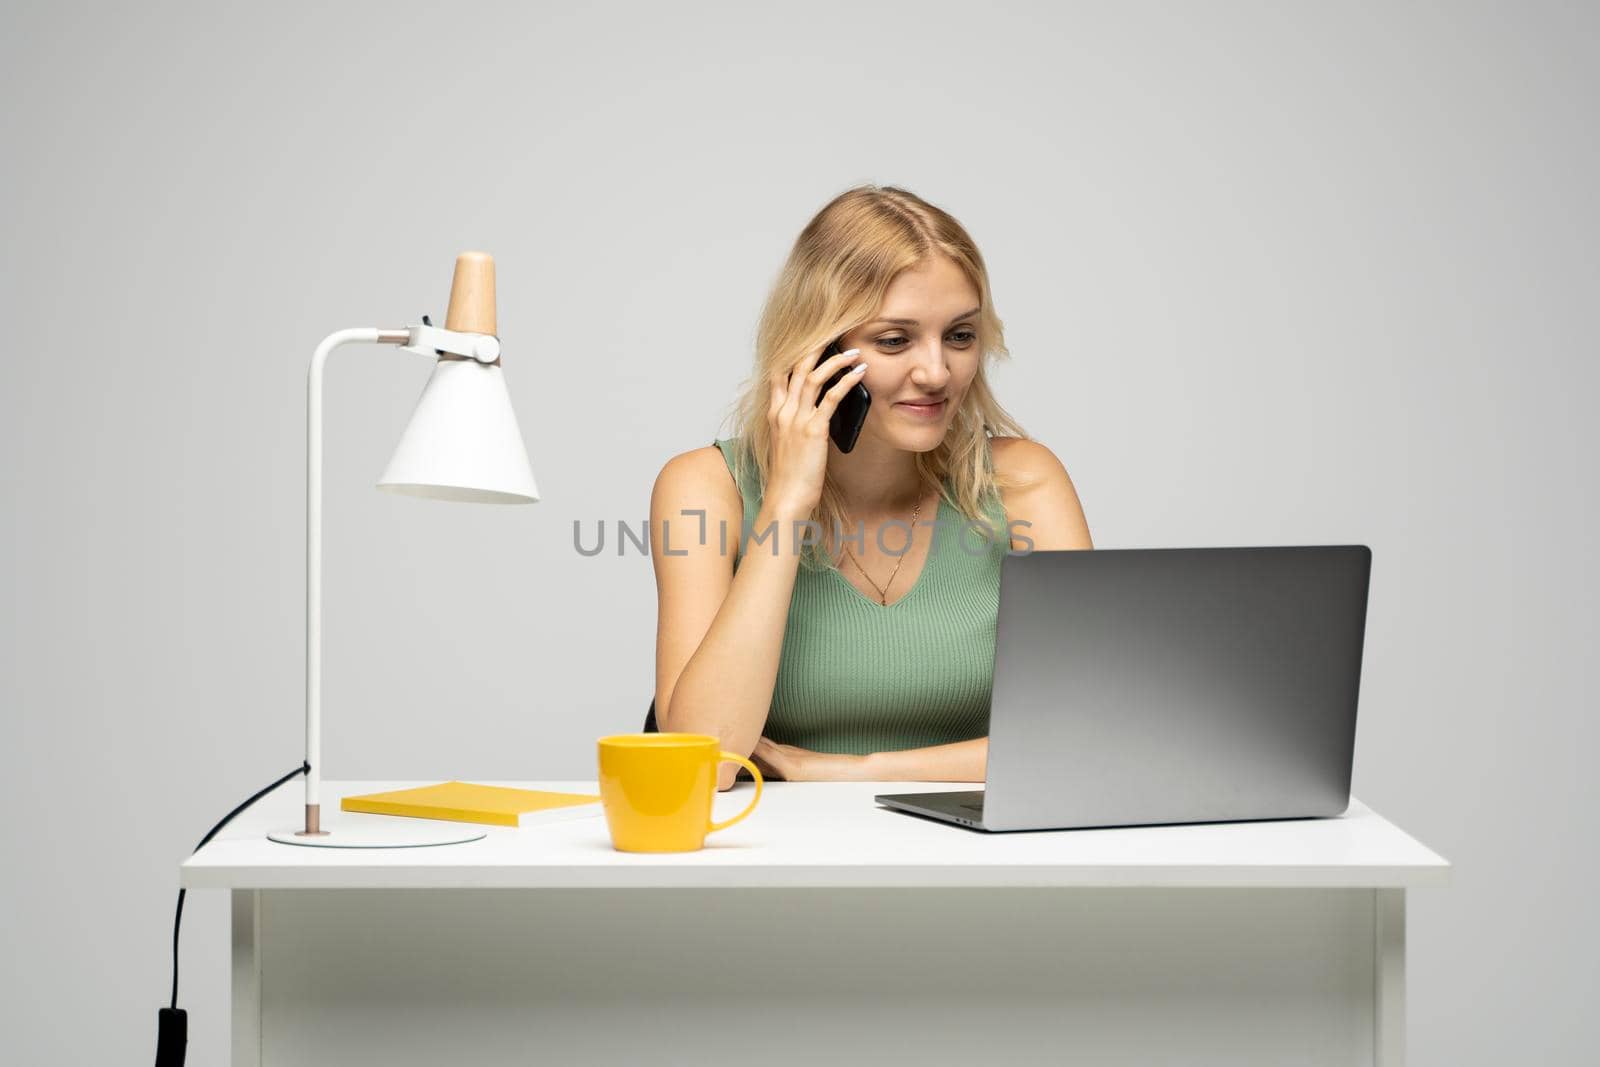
(845, 425)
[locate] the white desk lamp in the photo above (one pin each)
(462, 444)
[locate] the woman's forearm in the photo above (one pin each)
(959, 761)
(726, 687)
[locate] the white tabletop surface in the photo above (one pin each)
(821, 834)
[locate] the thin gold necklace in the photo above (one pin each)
(883, 594)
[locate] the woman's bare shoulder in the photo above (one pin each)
(698, 474)
(1044, 496)
(1023, 456)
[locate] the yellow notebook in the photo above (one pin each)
(496, 805)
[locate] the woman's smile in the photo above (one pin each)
(922, 411)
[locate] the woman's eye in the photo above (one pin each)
(960, 337)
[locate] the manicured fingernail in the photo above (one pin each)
(858, 368)
(850, 351)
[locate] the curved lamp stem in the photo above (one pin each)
(369, 335)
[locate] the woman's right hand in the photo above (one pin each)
(800, 428)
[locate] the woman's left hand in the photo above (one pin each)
(791, 763)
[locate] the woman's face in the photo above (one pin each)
(930, 356)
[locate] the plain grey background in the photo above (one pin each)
(1272, 274)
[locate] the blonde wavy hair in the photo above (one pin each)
(834, 280)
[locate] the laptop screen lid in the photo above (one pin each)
(1142, 686)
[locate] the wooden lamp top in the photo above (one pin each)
(472, 295)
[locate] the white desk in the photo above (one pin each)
(822, 928)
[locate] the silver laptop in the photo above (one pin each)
(1136, 687)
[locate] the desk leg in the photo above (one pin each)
(246, 978)
(1389, 975)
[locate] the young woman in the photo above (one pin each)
(862, 646)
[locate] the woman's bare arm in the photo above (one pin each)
(958, 761)
(719, 635)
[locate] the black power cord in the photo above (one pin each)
(172, 1035)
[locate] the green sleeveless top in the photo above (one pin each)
(859, 676)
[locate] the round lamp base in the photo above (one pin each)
(381, 831)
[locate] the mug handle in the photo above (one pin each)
(729, 757)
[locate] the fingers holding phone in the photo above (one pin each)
(800, 417)
(848, 401)
(814, 370)
(785, 394)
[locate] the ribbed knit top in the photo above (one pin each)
(859, 676)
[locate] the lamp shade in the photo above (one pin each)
(462, 442)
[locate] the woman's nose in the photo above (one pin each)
(930, 370)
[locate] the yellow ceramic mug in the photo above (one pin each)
(656, 789)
